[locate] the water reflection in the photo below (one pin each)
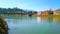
(56, 20)
(38, 19)
(51, 19)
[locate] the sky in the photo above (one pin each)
(37, 5)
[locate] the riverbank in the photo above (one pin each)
(54, 16)
(3, 26)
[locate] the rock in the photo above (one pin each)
(3, 26)
(2, 30)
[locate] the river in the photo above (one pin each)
(32, 25)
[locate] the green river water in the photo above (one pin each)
(32, 25)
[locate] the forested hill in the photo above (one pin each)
(10, 10)
(14, 11)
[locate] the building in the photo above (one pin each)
(39, 13)
(44, 13)
(56, 12)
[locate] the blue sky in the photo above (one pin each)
(37, 5)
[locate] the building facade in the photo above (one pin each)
(56, 12)
(44, 13)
